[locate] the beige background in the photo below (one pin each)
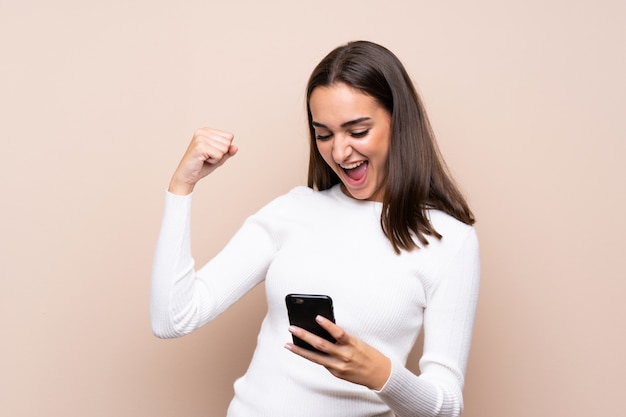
(98, 102)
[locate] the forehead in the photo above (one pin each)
(340, 103)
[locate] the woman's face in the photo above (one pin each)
(352, 133)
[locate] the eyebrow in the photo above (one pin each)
(343, 125)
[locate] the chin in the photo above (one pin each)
(359, 194)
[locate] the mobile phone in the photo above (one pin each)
(302, 310)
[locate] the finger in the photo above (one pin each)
(223, 156)
(335, 331)
(208, 131)
(219, 160)
(204, 139)
(212, 150)
(315, 357)
(312, 339)
(215, 135)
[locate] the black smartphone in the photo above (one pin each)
(302, 310)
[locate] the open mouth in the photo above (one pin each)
(355, 171)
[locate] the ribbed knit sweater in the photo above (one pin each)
(324, 242)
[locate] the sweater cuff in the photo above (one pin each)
(171, 196)
(405, 393)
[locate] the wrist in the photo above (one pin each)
(382, 375)
(180, 188)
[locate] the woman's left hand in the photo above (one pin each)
(350, 358)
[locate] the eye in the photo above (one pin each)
(323, 137)
(360, 133)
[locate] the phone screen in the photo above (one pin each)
(302, 310)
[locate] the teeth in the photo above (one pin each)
(351, 166)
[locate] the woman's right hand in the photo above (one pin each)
(208, 150)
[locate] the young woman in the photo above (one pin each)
(381, 228)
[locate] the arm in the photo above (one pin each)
(181, 299)
(448, 322)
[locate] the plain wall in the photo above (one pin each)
(98, 101)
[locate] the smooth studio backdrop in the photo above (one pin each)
(98, 101)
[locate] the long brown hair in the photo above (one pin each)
(417, 178)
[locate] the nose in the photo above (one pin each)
(341, 148)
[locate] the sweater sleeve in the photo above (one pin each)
(183, 298)
(448, 322)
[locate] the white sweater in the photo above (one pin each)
(325, 242)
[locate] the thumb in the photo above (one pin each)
(232, 150)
